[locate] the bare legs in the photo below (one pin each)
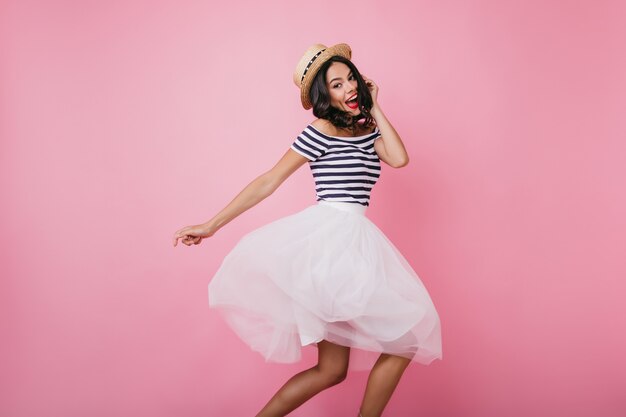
(330, 370)
(381, 383)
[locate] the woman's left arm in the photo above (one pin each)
(389, 146)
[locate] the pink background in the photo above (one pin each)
(121, 122)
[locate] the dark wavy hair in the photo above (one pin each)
(320, 98)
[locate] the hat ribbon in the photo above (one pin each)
(309, 64)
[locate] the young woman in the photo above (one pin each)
(326, 275)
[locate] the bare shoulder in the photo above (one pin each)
(322, 125)
(327, 128)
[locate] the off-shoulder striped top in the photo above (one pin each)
(344, 168)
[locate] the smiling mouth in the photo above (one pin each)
(353, 102)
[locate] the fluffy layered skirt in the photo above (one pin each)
(325, 273)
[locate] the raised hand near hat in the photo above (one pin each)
(371, 85)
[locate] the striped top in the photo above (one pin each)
(344, 168)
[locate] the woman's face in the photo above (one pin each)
(342, 86)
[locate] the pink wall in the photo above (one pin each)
(121, 122)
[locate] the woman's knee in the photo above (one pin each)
(333, 362)
(333, 375)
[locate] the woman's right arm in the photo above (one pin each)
(259, 189)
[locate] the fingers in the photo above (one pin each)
(182, 235)
(191, 240)
(178, 235)
(188, 240)
(187, 236)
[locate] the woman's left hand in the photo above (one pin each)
(372, 87)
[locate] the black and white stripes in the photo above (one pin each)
(344, 168)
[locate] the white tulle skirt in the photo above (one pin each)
(326, 272)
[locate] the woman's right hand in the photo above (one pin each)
(193, 235)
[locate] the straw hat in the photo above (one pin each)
(311, 62)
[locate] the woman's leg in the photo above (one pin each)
(381, 383)
(331, 369)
